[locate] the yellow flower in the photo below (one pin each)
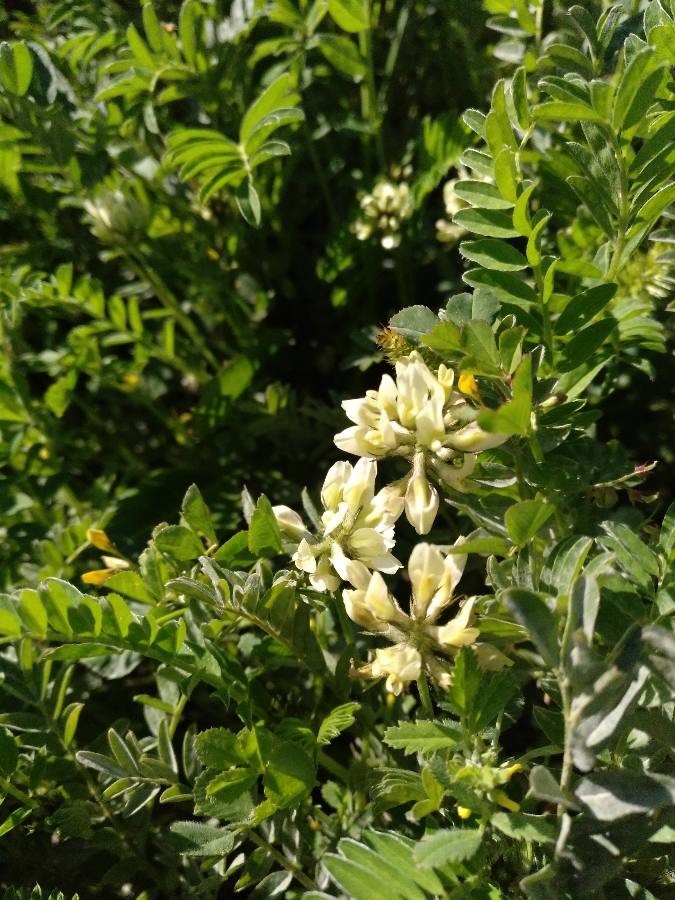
(464, 813)
(98, 576)
(99, 539)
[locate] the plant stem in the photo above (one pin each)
(171, 303)
(369, 100)
(425, 696)
(18, 794)
(287, 864)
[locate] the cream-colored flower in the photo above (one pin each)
(400, 663)
(358, 524)
(421, 498)
(458, 631)
(383, 211)
(433, 578)
(424, 418)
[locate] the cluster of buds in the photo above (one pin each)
(116, 218)
(357, 525)
(423, 418)
(446, 231)
(383, 211)
(419, 643)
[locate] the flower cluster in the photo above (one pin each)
(420, 644)
(357, 524)
(420, 416)
(383, 211)
(423, 418)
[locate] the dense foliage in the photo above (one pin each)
(230, 659)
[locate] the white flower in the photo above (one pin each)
(358, 525)
(421, 498)
(433, 578)
(419, 643)
(370, 604)
(457, 632)
(400, 663)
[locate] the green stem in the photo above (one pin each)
(18, 794)
(283, 861)
(171, 303)
(425, 696)
(369, 100)
(330, 765)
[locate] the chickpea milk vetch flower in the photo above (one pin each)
(420, 644)
(357, 525)
(422, 417)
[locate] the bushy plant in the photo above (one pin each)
(437, 660)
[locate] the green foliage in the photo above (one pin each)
(205, 693)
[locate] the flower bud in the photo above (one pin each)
(289, 522)
(99, 539)
(472, 439)
(421, 499)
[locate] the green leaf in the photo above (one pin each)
(445, 337)
(494, 254)
(447, 846)
(614, 794)
(130, 584)
(631, 81)
(530, 611)
(230, 785)
(343, 54)
(350, 15)
(58, 395)
(280, 93)
(199, 839)
(248, 202)
(218, 749)
(479, 343)
(289, 776)
(503, 286)
(264, 536)
(585, 343)
(9, 753)
(523, 520)
(16, 67)
(414, 321)
(513, 417)
(525, 827)
(495, 693)
(358, 881)
(466, 682)
(583, 307)
(179, 542)
(196, 514)
(337, 721)
(544, 786)
(518, 91)
(560, 111)
(489, 222)
(101, 763)
(421, 737)
(189, 15)
(481, 194)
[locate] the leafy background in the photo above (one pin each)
(184, 299)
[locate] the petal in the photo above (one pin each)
(425, 569)
(304, 557)
(334, 482)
